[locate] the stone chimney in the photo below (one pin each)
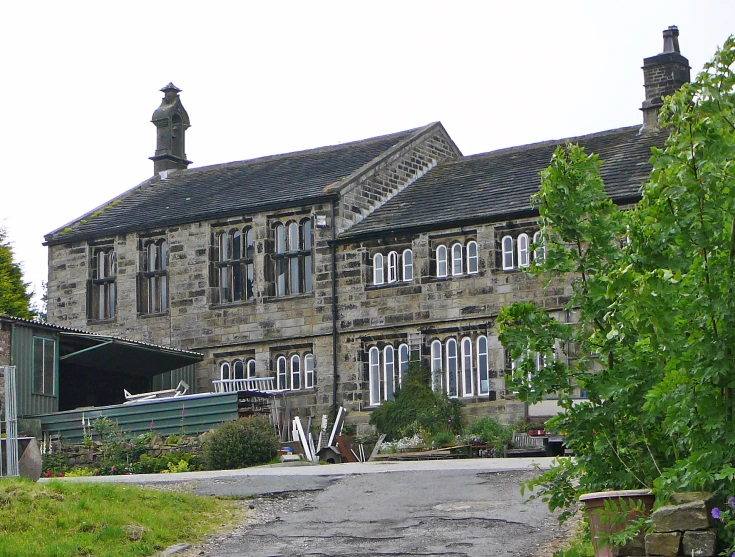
(171, 121)
(662, 75)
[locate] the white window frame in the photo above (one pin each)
(404, 357)
(507, 251)
(468, 388)
(309, 371)
(437, 374)
(374, 375)
(250, 368)
(378, 270)
(473, 260)
(483, 369)
(389, 372)
(441, 261)
(523, 259)
(235, 364)
(295, 372)
(392, 267)
(452, 361)
(407, 265)
(281, 373)
(225, 375)
(457, 269)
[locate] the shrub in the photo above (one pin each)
(417, 409)
(241, 443)
(492, 433)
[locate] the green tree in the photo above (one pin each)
(654, 305)
(15, 299)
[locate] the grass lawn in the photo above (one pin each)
(58, 519)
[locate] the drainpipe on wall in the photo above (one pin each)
(333, 246)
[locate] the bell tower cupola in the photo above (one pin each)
(171, 121)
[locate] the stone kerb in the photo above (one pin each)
(683, 528)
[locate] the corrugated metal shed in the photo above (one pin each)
(190, 414)
(21, 356)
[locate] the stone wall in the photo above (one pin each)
(683, 528)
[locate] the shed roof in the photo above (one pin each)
(230, 189)
(498, 185)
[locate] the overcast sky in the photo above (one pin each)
(81, 80)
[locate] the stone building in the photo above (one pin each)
(331, 269)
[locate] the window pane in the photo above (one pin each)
(482, 365)
(523, 250)
(152, 295)
(164, 293)
(249, 247)
(239, 369)
(225, 370)
(452, 367)
(249, 281)
(251, 369)
(281, 277)
(164, 255)
(441, 261)
(48, 366)
(374, 376)
(237, 282)
(295, 372)
(280, 239)
(309, 371)
(293, 237)
(306, 228)
(402, 362)
(389, 373)
(392, 266)
(472, 259)
(467, 387)
(308, 279)
(457, 259)
(151, 259)
(224, 247)
(236, 243)
(111, 300)
(281, 367)
(507, 252)
(408, 265)
(436, 365)
(294, 282)
(378, 268)
(38, 362)
(224, 285)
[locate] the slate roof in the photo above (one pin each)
(230, 189)
(497, 185)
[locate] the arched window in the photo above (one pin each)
(392, 267)
(224, 370)
(238, 370)
(250, 367)
(472, 258)
(295, 372)
(523, 259)
(309, 371)
(235, 265)
(507, 244)
(389, 375)
(403, 358)
(281, 375)
(539, 254)
(436, 365)
(457, 259)
(452, 367)
(374, 375)
(441, 261)
(378, 269)
(281, 261)
(482, 366)
(293, 262)
(407, 265)
(467, 383)
(306, 245)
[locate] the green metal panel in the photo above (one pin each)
(189, 414)
(21, 356)
(170, 379)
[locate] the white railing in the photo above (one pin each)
(255, 384)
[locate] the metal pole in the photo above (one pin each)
(11, 422)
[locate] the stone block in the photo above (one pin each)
(665, 544)
(673, 518)
(633, 548)
(691, 497)
(701, 543)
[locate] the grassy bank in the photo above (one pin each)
(59, 519)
